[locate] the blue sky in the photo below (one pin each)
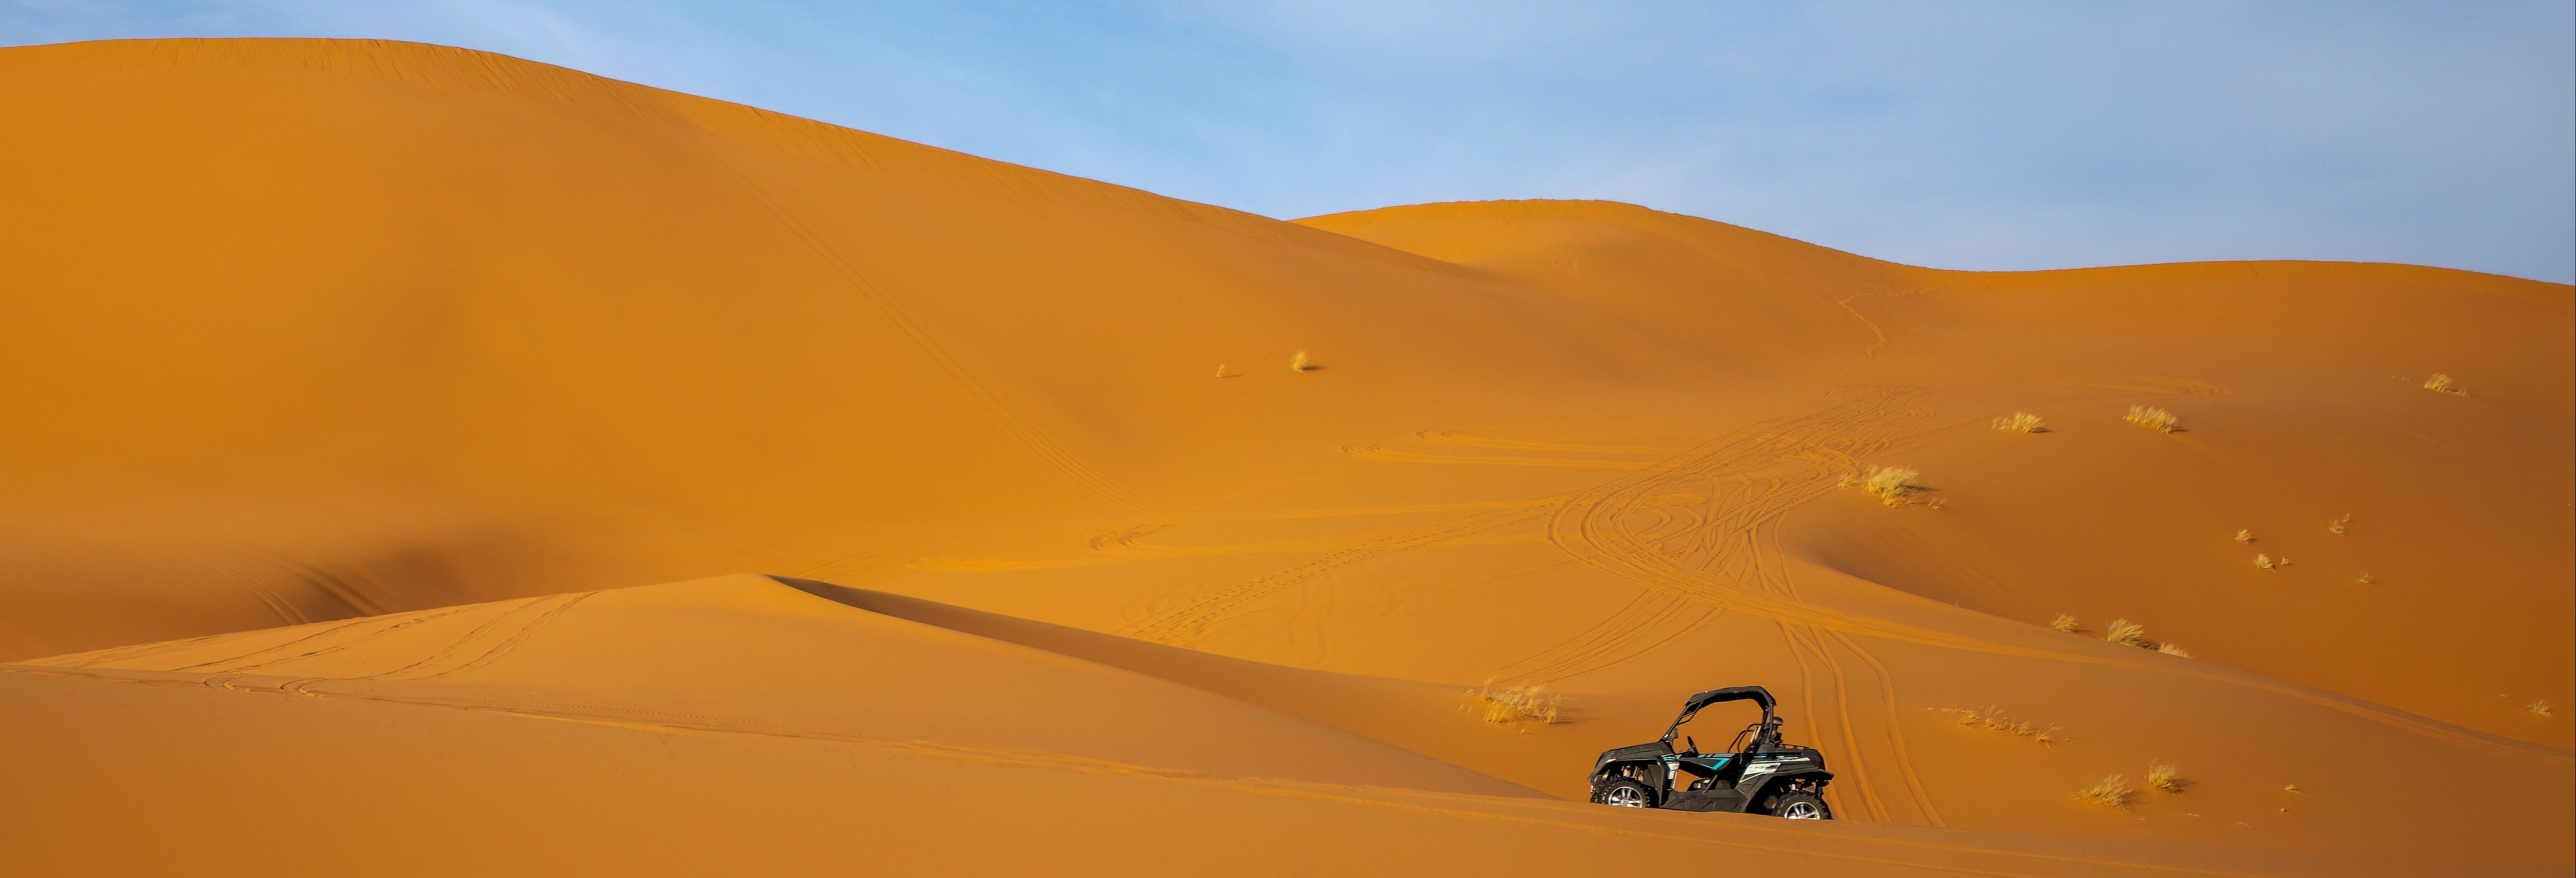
(1967, 135)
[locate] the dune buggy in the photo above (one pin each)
(1756, 774)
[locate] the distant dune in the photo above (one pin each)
(397, 432)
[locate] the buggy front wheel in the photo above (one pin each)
(1623, 792)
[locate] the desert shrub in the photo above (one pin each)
(2265, 562)
(2167, 778)
(2541, 708)
(2244, 536)
(2111, 792)
(2441, 383)
(2127, 633)
(2066, 623)
(1300, 363)
(2336, 526)
(2366, 578)
(1516, 705)
(1892, 486)
(2020, 422)
(2153, 418)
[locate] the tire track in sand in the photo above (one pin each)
(320, 643)
(498, 623)
(1182, 625)
(1754, 477)
(554, 608)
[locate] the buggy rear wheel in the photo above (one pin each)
(1797, 805)
(1624, 792)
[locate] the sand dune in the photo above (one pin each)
(364, 391)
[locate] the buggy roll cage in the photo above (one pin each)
(1755, 694)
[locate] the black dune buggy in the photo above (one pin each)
(1756, 774)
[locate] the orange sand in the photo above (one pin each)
(361, 392)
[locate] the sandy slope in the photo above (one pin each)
(740, 724)
(304, 331)
(747, 654)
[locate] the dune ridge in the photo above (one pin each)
(365, 391)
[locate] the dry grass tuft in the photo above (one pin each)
(2066, 623)
(2167, 778)
(1891, 485)
(1516, 706)
(1300, 363)
(2127, 633)
(2265, 562)
(2153, 418)
(2441, 383)
(2244, 536)
(2111, 792)
(2541, 708)
(1990, 717)
(2336, 526)
(2021, 422)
